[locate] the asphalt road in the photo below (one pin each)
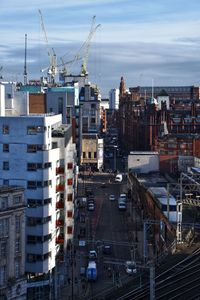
(107, 225)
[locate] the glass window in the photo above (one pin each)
(31, 148)
(70, 166)
(3, 247)
(17, 223)
(31, 130)
(17, 199)
(4, 203)
(31, 184)
(69, 197)
(95, 155)
(6, 165)
(4, 227)
(5, 147)
(17, 269)
(31, 166)
(17, 245)
(5, 129)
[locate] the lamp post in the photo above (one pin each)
(115, 160)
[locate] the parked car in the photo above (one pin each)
(118, 178)
(130, 267)
(122, 205)
(112, 197)
(91, 207)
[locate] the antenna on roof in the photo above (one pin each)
(25, 67)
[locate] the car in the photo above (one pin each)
(122, 197)
(130, 267)
(92, 255)
(118, 178)
(122, 206)
(107, 249)
(91, 207)
(112, 197)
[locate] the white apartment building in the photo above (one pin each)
(12, 243)
(114, 99)
(37, 153)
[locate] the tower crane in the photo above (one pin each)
(86, 45)
(52, 69)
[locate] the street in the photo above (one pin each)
(106, 225)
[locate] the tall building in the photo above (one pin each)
(12, 243)
(114, 99)
(37, 154)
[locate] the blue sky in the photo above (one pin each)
(140, 40)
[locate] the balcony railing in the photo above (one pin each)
(60, 170)
(60, 239)
(60, 187)
(60, 204)
(59, 222)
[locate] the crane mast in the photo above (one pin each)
(52, 69)
(86, 45)
(25, 57)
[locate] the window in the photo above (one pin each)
(60, 105)
(69, 229)
(5, 147)
(5, 182)
(84, 155)
(31, 166)
(6, 165)
(31, 148)
(70, 181)
(17, 223)
(70, 166)
(95, 155)
(89, 154)
(31, 184)
(4, 203)
(17, 269)
(4, 227)
(47, 165)
(69, 214)
(47, 201)
(17, 199)
(31, 258)
(17, 245)
(31, 130)
(93, 120)
(3, 249)
(5, 129)
(69, 197)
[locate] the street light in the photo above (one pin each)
(115, 162)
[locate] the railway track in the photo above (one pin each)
(181, 281)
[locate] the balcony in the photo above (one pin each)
(60, 187)
(60, 204)
(60, 170)
(60, 222)
(60, 239)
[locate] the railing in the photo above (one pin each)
(60, 170)
(59, 222)
(60, 188)
(60, 204)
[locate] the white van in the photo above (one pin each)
(118, 178)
